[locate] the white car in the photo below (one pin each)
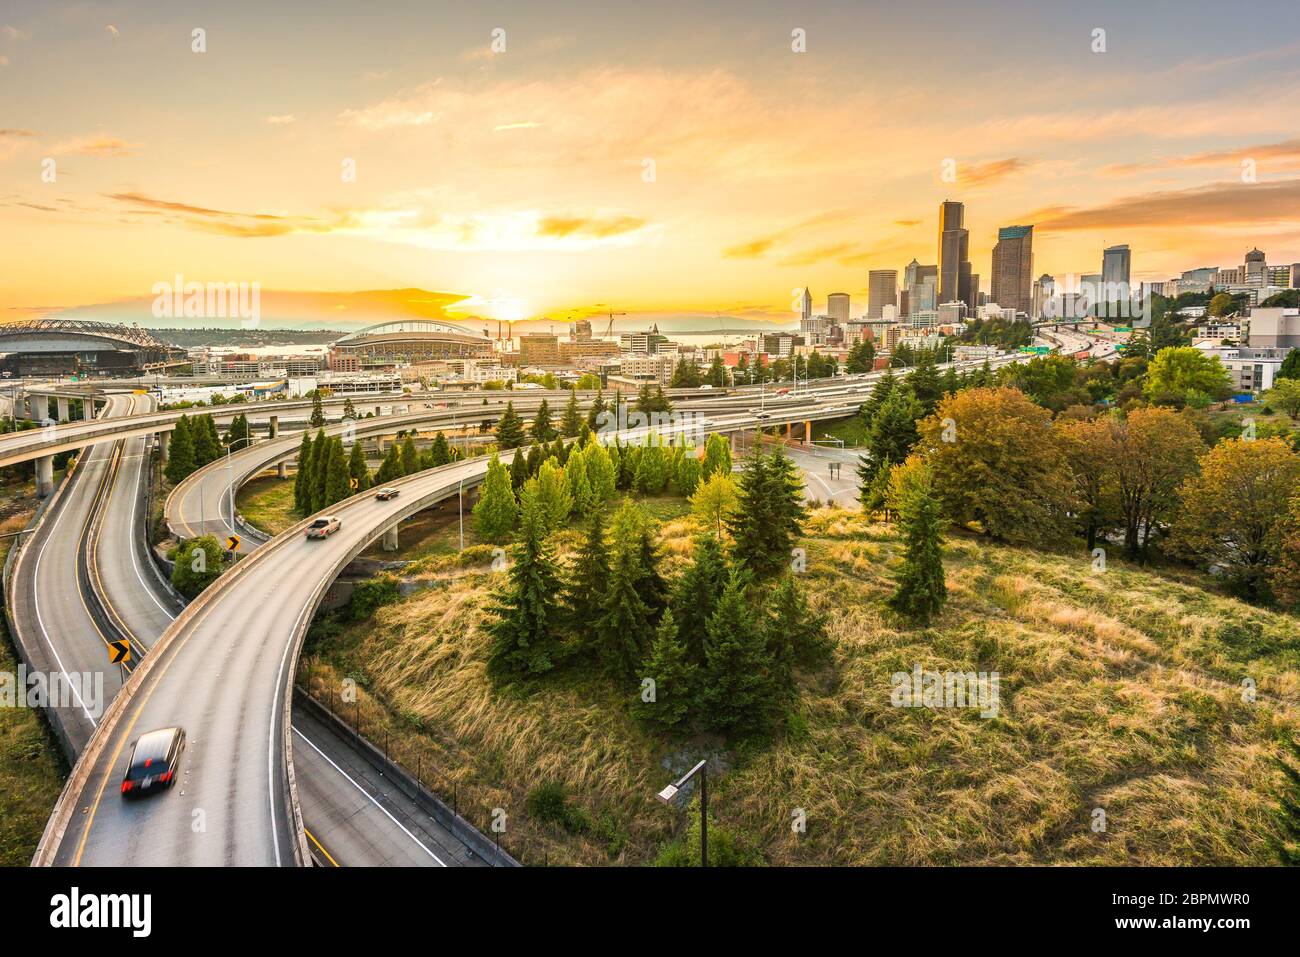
(324, 526)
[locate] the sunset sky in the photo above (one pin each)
(515, 184)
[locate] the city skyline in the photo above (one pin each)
(684, 186)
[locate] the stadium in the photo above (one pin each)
(37, 347)
(408, 340)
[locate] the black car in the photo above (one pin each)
(155, 762)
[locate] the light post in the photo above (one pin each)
(669, 794)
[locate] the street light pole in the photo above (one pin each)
(669, 794)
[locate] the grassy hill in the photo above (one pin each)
(1119, 690)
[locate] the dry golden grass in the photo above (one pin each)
(1119, 691)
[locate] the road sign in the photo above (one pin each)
(119, 652)
(232, 543)
(353, 484)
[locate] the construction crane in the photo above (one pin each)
(609, 330)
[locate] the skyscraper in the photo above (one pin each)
(1013, 269)
(882, 290)
(954, 254)
(915, 277)
(807, 304)
(837, 307)
(1115, 264)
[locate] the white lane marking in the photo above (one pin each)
(370, 797)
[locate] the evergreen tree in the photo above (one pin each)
(496, 510)
(302, 477)
(317, 412)
(717, 456)
(650, 583)
(510, 430)
(769, 516)
(924, 383)
(180, 452)
(525, 633)
(542, 429)
(207, 446)
(687, 479)
(349, 410)
(357, 468)
(571, 422)
(625, 628)
(920, 590)
(882, 390)
(584, 590)
(795, 634)
(674, 680)
(582, 496)
(552, 494)
(593, 414)
(717, 374)
(336, 475)
(1290, 367)
(601, 473)
(696, 594)
(873, 490)
(440, 454)
(893, 430)
(410, 457)
(518, 471)
(651, 471)
(391, 466)
(737, 695)
(320, 471)
(536, 456)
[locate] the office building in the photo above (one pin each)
(837, 307)
(1116, 263)
(954, 254)
(806, 311)
(1013, 269)
(882, 290)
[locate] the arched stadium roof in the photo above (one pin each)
(415, 326)
(35, 329)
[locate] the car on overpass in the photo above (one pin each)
(154, 760)
(324, 526)
(386, 493)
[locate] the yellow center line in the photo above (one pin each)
(320, 847)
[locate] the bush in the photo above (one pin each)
(727, 847)
(370, 595)
(199, 562)
(549, 804)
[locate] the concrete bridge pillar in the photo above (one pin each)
(390, 539)
(164, 445)
(275, 426)
(282, 470)
(37, 408)
(87, 408)
(44, 475)
(63, 408)
(807, 432)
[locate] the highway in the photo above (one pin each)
(224, 671)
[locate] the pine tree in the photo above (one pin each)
(496, 511)
(357, 470)
(696, 594)
(349, 410)
(391, 466)
(542, 429)
(582, 496)
(919, 583)
(536, 456)
(319, 471)
(302, 477)
(769, 516)
(924, 384)
(518, 471)
(624, 629)
(674, 677)
(717, 375)
(883, 389)
(510, 430)
(893, 430)
(525, 633)
(180, 452)
(795, 634)
(439, 453)
(317, 412)
(738, 690)
(410, 457)
(651, 471)
(593, 414)
(650, 583)
(873, 490)
(584, 590)
(207, 446)
(601, 473)
(336, 475)
(571, 422)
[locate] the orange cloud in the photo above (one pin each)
(597, 227)
(1218, 204)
